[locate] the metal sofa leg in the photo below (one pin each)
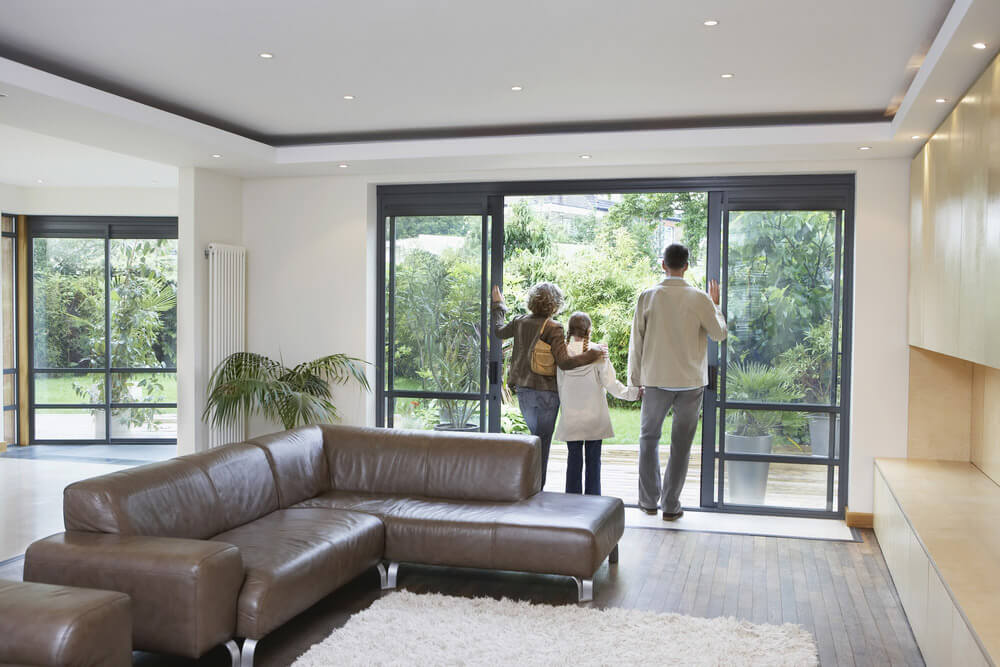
(613, 556)
(234, 652)
(584, 589)
(249, 646)
(390, 575)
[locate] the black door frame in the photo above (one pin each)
(802, 192)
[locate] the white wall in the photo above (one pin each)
(210, 210)
(98, 201)
(310, 282)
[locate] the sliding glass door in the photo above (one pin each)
(780, 400)
(771, 439)
(103, 307)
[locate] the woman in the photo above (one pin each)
(536, 393)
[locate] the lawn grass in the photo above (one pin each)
(60, 388)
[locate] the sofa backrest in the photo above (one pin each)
(195, 496)
(464, 466)
(243, 480)
(298, 462)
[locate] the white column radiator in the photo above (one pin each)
(227, 320)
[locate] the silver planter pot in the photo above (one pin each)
(819, 435)
(747, 480)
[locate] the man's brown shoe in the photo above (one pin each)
(651, 512)
(674, 516)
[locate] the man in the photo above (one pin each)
(668, 358)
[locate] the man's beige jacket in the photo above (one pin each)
(669, 336)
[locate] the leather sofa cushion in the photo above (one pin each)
(298, 462)
(473, 466)
(550, 533)
(296, 557)
(243, 480)
(57, 625)
(173, 498)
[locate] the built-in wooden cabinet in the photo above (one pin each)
(955, 230)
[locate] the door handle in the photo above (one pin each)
(713, 378)
(494, 372)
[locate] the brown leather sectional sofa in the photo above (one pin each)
(233, 542)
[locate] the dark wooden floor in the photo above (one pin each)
(840, 591)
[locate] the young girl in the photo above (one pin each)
(585, 419)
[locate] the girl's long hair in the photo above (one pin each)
(579, 325)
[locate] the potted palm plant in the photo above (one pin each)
(248, 384)
(811, 364)
(452, 355)
(754, 431)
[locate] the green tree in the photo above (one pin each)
(525, 232)
(642, 212)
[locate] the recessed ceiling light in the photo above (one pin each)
(711, 23)
(727, 75)
(266, 56)
(40, 181)
(343, 165)
(348, 97)
(3, 94)
(940, 100)
(916, 136)
(586, 157)
(517, 89)
(216, 155)
(979, 45)
(864, 148)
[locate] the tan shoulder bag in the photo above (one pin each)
(542, 361)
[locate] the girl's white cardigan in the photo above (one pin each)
(584, 411)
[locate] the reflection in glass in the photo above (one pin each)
(438, 301)
(68, 293)
(781, 297)
(426, 414)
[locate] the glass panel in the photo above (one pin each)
(69, 388)
(438, 298)
(143, 388)
(9, 426)
(780, 303)
(776, 484)
(777, 432)
(8, 280)
(144, 423)
(69, 424)
(143, 303)
(8, 389)
(426, 414)
(68, 303)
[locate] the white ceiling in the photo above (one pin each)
(442, 63)
(28, 157)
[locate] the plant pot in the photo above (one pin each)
(747, 480)
(819, 435)
(468, 428)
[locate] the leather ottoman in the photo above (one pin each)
(59, 626)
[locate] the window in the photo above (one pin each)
(103, 309)
(8, 328)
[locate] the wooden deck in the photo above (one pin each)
(789, 485)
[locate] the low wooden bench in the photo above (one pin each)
(938, 524)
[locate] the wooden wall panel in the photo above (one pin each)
(955, 230)
(940, 407)
(985, 427)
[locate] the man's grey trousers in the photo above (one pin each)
(655, 405)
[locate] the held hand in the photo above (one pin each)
(641, 392)
(497, 295)
(713, 291)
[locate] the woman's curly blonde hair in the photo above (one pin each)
(545, 299)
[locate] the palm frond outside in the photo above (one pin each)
(246, 384)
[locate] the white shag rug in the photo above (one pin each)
(404, 628)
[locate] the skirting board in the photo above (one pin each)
(858, 519)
